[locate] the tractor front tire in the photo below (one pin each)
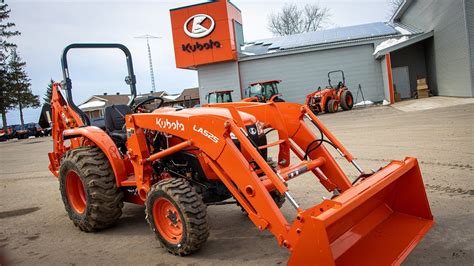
(89, 192)
(177, 215)
(278, 198)
(332, 106)
(347, 101)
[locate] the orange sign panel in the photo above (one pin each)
(205, 33)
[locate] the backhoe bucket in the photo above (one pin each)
(376, 222)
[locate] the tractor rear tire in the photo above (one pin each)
(332, 106)
(89, 192)
(347, 101)
(177, 215)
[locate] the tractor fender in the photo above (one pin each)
(105, 143)
(275, 96)
(339, 93)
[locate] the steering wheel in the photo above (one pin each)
(146, 101)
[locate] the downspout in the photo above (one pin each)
(389, 76)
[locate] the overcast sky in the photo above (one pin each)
(48, 26)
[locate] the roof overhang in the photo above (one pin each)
(400, 45)
(92, 105)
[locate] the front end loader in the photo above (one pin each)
(179, 162)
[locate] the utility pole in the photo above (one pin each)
(152, 75)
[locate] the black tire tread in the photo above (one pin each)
(278, 198)
(191, 207)
(104, 199)
(331, 106)
(343, 101)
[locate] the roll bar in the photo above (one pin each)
(335, 71)
(67, 83)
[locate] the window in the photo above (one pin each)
(226, 98)
(255, 90)
(212, 98)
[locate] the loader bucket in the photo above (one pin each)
(376, 222)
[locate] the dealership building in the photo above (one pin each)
(432, 40)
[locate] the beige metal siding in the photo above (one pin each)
(221, 76)
(470, 29)
(302, 73)
(452, 59)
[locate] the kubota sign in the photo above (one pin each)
(204, 33)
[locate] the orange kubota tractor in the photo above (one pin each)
(329, 99)
(263, 91)
(177, 162)
(220, 96)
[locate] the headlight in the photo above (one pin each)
(260, 126)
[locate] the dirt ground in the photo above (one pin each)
(34, 227)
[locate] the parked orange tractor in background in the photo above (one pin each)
(178, 161)
(220, 96)
(263, 91)
(329, 99)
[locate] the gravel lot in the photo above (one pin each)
(34, 228)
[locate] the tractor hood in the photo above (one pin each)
(248, 119)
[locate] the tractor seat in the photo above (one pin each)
(98, 122)
(115, 120)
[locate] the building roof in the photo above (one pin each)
(329, 37)
(97, 102)
(187, 94)
(92, 105)
(101, 101)
(156, 94)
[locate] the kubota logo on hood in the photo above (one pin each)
(198, 30)
(176, 125)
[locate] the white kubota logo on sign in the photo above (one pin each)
(197, 29)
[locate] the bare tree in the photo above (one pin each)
(394, 5)
(293, 19)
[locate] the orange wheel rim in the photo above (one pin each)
(349, 100)
(75, 192)
(335, 106)
(168, 220)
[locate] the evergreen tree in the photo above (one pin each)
(20, 85)
(49, 92)
(6, 97)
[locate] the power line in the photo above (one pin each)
(152, 75)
